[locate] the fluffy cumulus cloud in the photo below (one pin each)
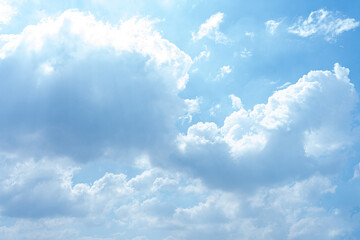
(323, 22)
(72, 83)
(299, 131)
(211, 30)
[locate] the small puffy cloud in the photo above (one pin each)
(323, 22)
(356, 171)
(302, 128)
(271, 26)
(210, 29)
(6, 12)
(224, 70)
(213, 110)
(235, 102)
(250, 34)
(192, 107)
(245, 53)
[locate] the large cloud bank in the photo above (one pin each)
(74, 86)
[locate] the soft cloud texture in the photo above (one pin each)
(192, 107)
(297, 129)
(41, 196)
(210, 29)
(235, 102)
(323, 22)
(271, 26)
(6, 12)
(52, 106)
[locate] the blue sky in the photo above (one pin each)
(179, 120)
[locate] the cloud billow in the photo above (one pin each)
(77, 87)
(301, 130)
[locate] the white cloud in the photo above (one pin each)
(192, 107)
(140, 37)
(6, 12)
(224, 70)
(203, 54)
(250, 34)
(306, 122)
(245, 53)
(271, 26)
(41, 196)
(210, 29)
(322, 22)
(127, 74)
(235, 102)
(284, 85)
(356, 171)
(214, 109)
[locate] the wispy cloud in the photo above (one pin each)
(323, 22)
(203, 54)
(235, 102)
(245, 53)
(271, 26)
(210, 29)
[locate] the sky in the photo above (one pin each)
(179, 120)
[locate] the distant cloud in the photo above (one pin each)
(322, 22)
(250, 34)
(271, 26)
(245, 53)
(203, 54)
(213, 110)
(210, 29)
